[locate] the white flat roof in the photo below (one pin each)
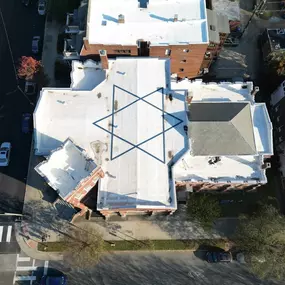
(122, 119)
(217, 92)
(86, 75)
(230, 169)
(65, 168)
(154, 24)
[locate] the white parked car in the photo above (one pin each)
(5, 150)
(42, 7)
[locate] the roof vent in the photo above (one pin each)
(143, 3)
(266, 165)
(255, 90)
(121, 19)
(214, 160)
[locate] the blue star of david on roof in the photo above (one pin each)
(139, 145)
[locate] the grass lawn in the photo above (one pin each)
(246, 202)
(142, 245)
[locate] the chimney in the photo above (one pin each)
(104, 59)
(254, 91)
(121, 19)
(175, 19)
(143, 3)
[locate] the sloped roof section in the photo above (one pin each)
(221, 129)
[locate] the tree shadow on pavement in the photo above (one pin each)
(43, 218)
(161, 269)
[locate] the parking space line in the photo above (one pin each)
(22, 258)
(1, 233)
(9, 232)
(26, 268)
(25, 278)
(45, 267)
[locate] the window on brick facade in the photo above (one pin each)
(181, 69)
(183, 61)
(122, 50)
(168, 52)
(186, 50)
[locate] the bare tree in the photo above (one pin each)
(84, 247)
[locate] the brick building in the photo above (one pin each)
(184, 31)
(70, 172)
(147, 135)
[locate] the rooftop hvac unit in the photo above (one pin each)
(205, 70)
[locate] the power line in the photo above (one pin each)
(12, 58)
(9, 45)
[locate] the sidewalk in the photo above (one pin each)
(49, 55)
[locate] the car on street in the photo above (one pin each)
(26, 122)
(30, 87)
(220, 256)
(42, 7)
(53, 280)
(36, 44)
(5, 150)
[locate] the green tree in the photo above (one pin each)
(261, 237)
(84, 247)
(203, 208)
(58, 8)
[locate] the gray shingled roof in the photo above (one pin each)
(217, 128)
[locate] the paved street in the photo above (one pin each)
(167, 268)
(22, 24)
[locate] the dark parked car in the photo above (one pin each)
(36, 44)
(26, 123)
(221, 256)
(53, 280)
(27, 2)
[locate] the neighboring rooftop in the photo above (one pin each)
(224, 169)
(229, 134)
(161, 22)
(276, 39)
(221, 129)
(66, 167)
(126, 124)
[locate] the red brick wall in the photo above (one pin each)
(191, 67)
(75, 197)
(193, 58)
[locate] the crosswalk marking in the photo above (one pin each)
(23, 258)
(9, 232)
(25, 278)
(45, 267)
(6, 233)
(28, 270)
(1, 233)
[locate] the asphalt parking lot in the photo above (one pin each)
(21, 23)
